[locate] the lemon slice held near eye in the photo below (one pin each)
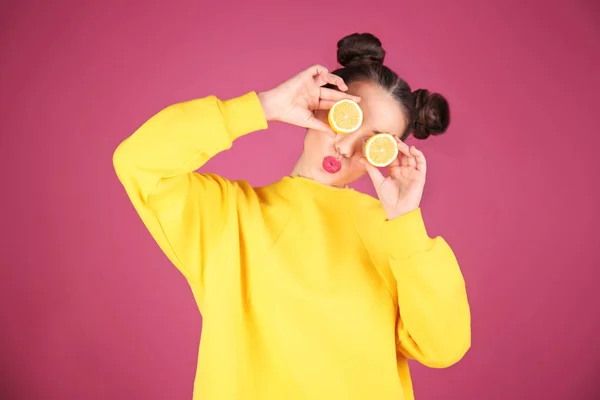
(381, 149)
(345, 116)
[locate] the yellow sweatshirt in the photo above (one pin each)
(306, 291)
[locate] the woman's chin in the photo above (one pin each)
(331, 179)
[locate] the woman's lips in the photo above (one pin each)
(331, 164)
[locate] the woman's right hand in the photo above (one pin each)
(295, 100)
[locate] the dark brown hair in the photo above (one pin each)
(361, 56)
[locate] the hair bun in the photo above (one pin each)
(432, 114)
(360, 48)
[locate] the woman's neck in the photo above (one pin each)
(301, 169)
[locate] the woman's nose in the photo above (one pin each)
(347, 144)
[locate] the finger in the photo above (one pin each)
(325, 104)
(331, 94)
(404, 160)
(408, 159)
(316, 70)
(374, 173)
(403, 147)
(394, 167)
(337, 81)
(322, 77)
(420, 161)
(315, 123)
(412, 162)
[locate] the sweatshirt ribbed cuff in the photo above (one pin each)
(406, 235)
(243, 115)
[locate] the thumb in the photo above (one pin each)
(314, 123)
(374, 173)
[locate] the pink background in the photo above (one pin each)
(91, 309)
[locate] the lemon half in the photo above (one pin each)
(381, 149)
(345, 116)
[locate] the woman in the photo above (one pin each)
(307, 288)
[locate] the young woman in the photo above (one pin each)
(307, 288)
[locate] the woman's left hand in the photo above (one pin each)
(401, 191)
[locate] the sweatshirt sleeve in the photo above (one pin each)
(185, 211)
(434, 322)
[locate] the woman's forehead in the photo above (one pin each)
(380, 110)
